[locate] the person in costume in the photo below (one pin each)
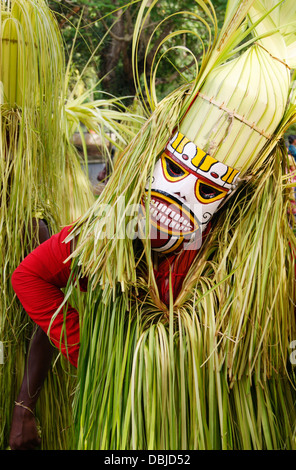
(44, 272)
(221, 135)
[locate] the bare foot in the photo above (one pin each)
(24, 432)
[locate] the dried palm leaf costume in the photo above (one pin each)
(39, 166)
(41, 178)
(187, 326)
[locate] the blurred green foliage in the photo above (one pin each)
(102, 31)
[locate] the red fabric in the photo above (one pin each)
(38, 281)
(176, 266)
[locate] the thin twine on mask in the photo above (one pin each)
(232, 114)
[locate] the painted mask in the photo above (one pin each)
(187, 187)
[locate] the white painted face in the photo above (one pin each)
(187, 187)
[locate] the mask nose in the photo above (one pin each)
(182, 196)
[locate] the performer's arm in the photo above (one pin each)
(38, 281)
(23, 433)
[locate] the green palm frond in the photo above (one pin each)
(41, 177)
(211, 371)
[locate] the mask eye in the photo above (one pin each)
(172, 171)
(208, 192)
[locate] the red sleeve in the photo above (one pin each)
(37, 283)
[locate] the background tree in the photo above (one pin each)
(103, 43)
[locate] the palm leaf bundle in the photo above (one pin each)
(41, 177)
(211, 370)
(36, 170)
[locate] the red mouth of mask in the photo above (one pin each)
(169, 216)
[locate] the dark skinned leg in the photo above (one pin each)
(24, 432)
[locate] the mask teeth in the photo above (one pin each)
(169, 218)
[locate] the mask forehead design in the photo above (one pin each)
(200, 162)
